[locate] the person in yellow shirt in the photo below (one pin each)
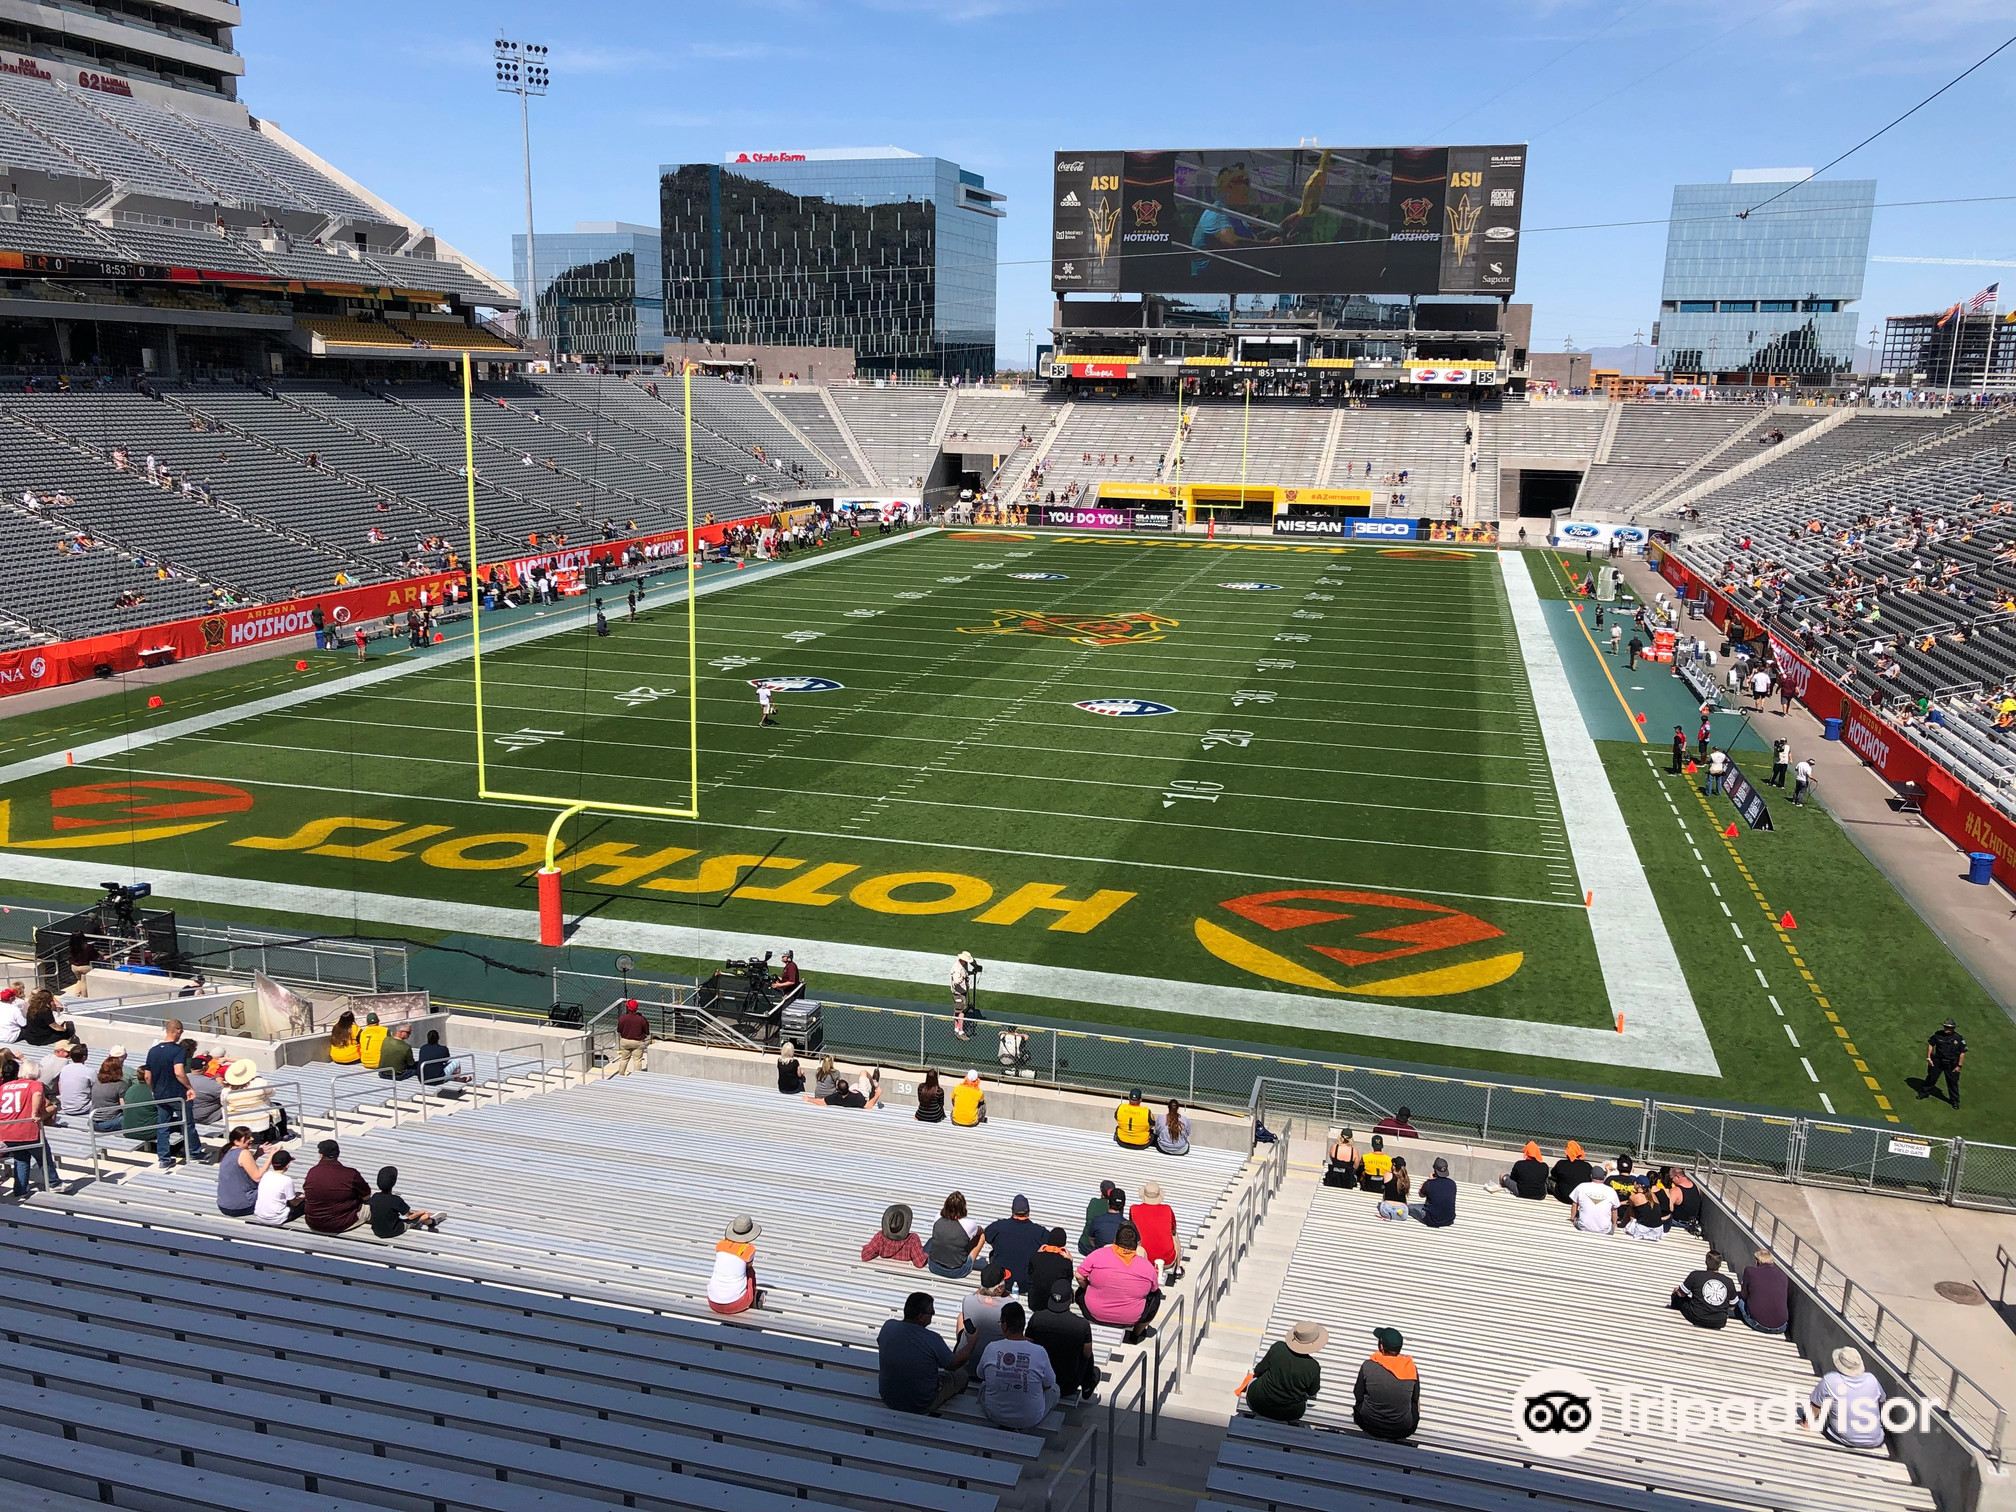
(371, 1041)
(1376, 1166)
(969, 1103)
(343, 1040)
(1133, 1125)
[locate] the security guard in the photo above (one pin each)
(1945, 1054)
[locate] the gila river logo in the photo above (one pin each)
(1302, 937)
(1088, 630)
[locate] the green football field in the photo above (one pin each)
(1288, 795)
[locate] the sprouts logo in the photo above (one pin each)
(1559, 1413)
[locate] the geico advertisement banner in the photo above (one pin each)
(1600, 533)
(1379, 530)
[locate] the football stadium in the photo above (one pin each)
(1289, 741)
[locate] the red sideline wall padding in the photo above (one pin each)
(1950, 805)
(77, 661)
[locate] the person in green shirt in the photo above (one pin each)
(1094, 1209)
(1289, 1375)
(395, 1056)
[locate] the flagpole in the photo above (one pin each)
(1953, 351)
(1988, 357)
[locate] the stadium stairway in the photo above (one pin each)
(1511, 1289)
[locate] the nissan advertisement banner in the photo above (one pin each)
(1346, 527)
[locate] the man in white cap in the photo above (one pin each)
(965, 978)
(1847, 1403)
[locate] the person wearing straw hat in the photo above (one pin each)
(1288, 1376)
(1157, 1222)
(248, 1102)
(1386, 1400)
(895, 1240)
(732, 1287)
(1847, 1403)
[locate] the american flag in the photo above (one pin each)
(1986, 299)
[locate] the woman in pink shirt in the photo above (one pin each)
(1118, 1286)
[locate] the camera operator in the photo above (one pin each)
(788, 985)
(965, 989)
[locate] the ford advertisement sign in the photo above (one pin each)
(1600, 533)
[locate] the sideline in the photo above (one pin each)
(1641, 971)
(565, 619)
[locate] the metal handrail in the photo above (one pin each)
(1091, 1438)
(1142, 1392)
(1983, 1427)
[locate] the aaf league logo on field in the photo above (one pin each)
(1252, 587)
(1125, 708)
(796, 683)
(1039, 577)
(1090, 630)
(1344, 941)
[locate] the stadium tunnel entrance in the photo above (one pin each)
(1537, 490)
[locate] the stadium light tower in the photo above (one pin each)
(522, 70)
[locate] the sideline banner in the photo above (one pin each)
(1749, 802)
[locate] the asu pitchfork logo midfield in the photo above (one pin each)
(1089, 630)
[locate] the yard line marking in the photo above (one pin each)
(1814, 1076)
(1825, 1101)
(1749, 956)
(1790, 1035)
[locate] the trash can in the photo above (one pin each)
(1831, 730)
(1980, 867)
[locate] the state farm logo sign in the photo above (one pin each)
(769, 157)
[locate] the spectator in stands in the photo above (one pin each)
(1172, 1130)
(969, 1103)
(1093, 1209)
(980, 1312)
(1394, 1193)
(277, 1201)
(894, 1239)
(844, 1096)
(633, 1045)
(1289, 1376)
(13, 1014)
(1018, 1384)
(1012, 1242)
(248, 1101)
(441, 1069)
(1847, 1403)
(1620, 1173)
(24, 1110)
(1401, 1123)
(1133, 1129)
(167, 1078)
(371, 1042)
(206, 1088)
(1593, 1207)
(108, 1091)
(930, 1099)
(790, 1076)
(732, 1286)
(138, 1116)
(1528, 1176)
(1375, 1167)
(335, 1194)
(916, 1370)
(1646, 1212)
(1386, 1400)
(40, 1026)
(1683, 1197)
(1049, 1265)
(1156, 1221)
(1067, 1339)
(238, 1173)
(827, 1081)
(396, 1061)
(73, 1086)
(390, 1214)
(1437, 1207)
(1341, 1164)
(956, 1240)
(1570, 1171)
(1764, 1295)
(1118, 1286)
(343, 1039)
(1106, 1227)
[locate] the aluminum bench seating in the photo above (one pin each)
(49, 1471)
(806, 409)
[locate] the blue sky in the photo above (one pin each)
(1618, 101)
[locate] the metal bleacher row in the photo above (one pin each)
(1510, 1290)
(549, 1346)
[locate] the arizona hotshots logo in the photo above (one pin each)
(1097, 630)
(1364, 944)
(92, 814)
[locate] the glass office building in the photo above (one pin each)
(1765, 297)
(601, 290)
(877, 249)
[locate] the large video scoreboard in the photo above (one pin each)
(1288, 220)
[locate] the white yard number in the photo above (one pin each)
(731, 663)
(802, 636)
(1021, 553)
(987, 566)
(1318, 598)
(956, 578)
(862, 613)
(1191, 787)
(636, 696)
(1293, 637)
(1213, 739)
(913, 595)
(520, 740)
(1307, 614)
(1251, 695)
(1273, 664)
